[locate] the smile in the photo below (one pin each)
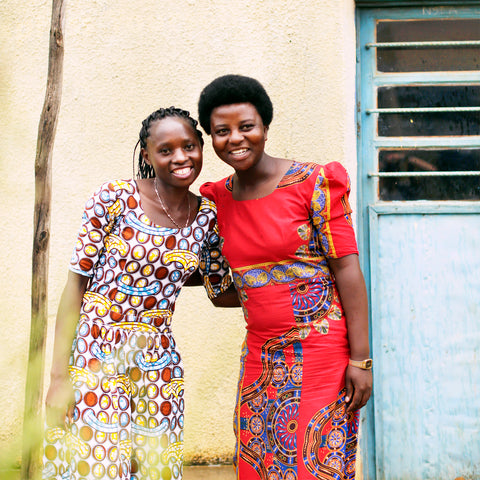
(239, 152)
(182, 172)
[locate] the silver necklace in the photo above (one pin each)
(166, 211)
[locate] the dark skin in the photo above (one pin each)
(353, 295)
(175, 153)
(60, 392)
(229, 298)
(238, 138)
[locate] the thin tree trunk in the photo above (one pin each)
(32, 419)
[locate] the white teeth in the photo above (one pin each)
(182, 171)
(239, 152)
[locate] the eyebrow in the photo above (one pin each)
(246, 120)
(182, 139)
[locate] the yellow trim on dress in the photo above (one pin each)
(328, 201)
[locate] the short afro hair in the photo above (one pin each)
(230, 89)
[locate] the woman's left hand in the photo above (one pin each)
(359, 387)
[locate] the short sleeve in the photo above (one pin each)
(213, 267)
(331, 212)
(208, 190)
(97, 222)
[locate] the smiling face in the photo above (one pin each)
(174, 151)
(238, 135)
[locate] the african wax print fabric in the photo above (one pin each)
(125, 366)
(290, 420)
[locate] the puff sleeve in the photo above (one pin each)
(97, 222)
(331, 212)
(209, 191)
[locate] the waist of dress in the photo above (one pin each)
(153, 321)
(128, 334)
(282, 273)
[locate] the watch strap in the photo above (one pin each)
(366, 364)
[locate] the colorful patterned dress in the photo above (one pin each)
(125, 366)
(291, 421)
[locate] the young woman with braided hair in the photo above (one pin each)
(139, 243)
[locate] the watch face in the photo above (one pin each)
(368, 363)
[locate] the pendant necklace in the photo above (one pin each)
(166, 211)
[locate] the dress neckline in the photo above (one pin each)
(229, 185)
(156, 225)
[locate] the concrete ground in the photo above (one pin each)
(213, 472)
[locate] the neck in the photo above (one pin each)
(263, 171)
(177, 209)
(174, 197)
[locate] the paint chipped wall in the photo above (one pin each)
(124, 59)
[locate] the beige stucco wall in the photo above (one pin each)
(124, 59)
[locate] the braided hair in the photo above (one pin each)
(144, 169)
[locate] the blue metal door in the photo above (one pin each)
(419, 222)
(426, 341)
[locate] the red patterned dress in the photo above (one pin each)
(125, 366)
(291, 421)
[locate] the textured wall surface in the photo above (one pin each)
(124, 59)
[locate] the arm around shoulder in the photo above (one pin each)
(225, 299)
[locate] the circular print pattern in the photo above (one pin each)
(126, 371)
(282, 424)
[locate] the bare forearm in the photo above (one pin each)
(227, 299)
(195, 280)
(353, 295)
(66, 322)
(60, 396)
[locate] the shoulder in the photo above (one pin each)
(122, 187)
(299, 173)
(207, 189)
(114, 189)
(333, 171)
(333, 175)
(110, 193)
(207, 206)
(212, 190)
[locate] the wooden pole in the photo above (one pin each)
(32, 419)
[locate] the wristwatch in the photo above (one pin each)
(363, 364)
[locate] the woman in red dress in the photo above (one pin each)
(287, 234)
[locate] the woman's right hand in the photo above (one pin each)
(60, 402)
(60, 396)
